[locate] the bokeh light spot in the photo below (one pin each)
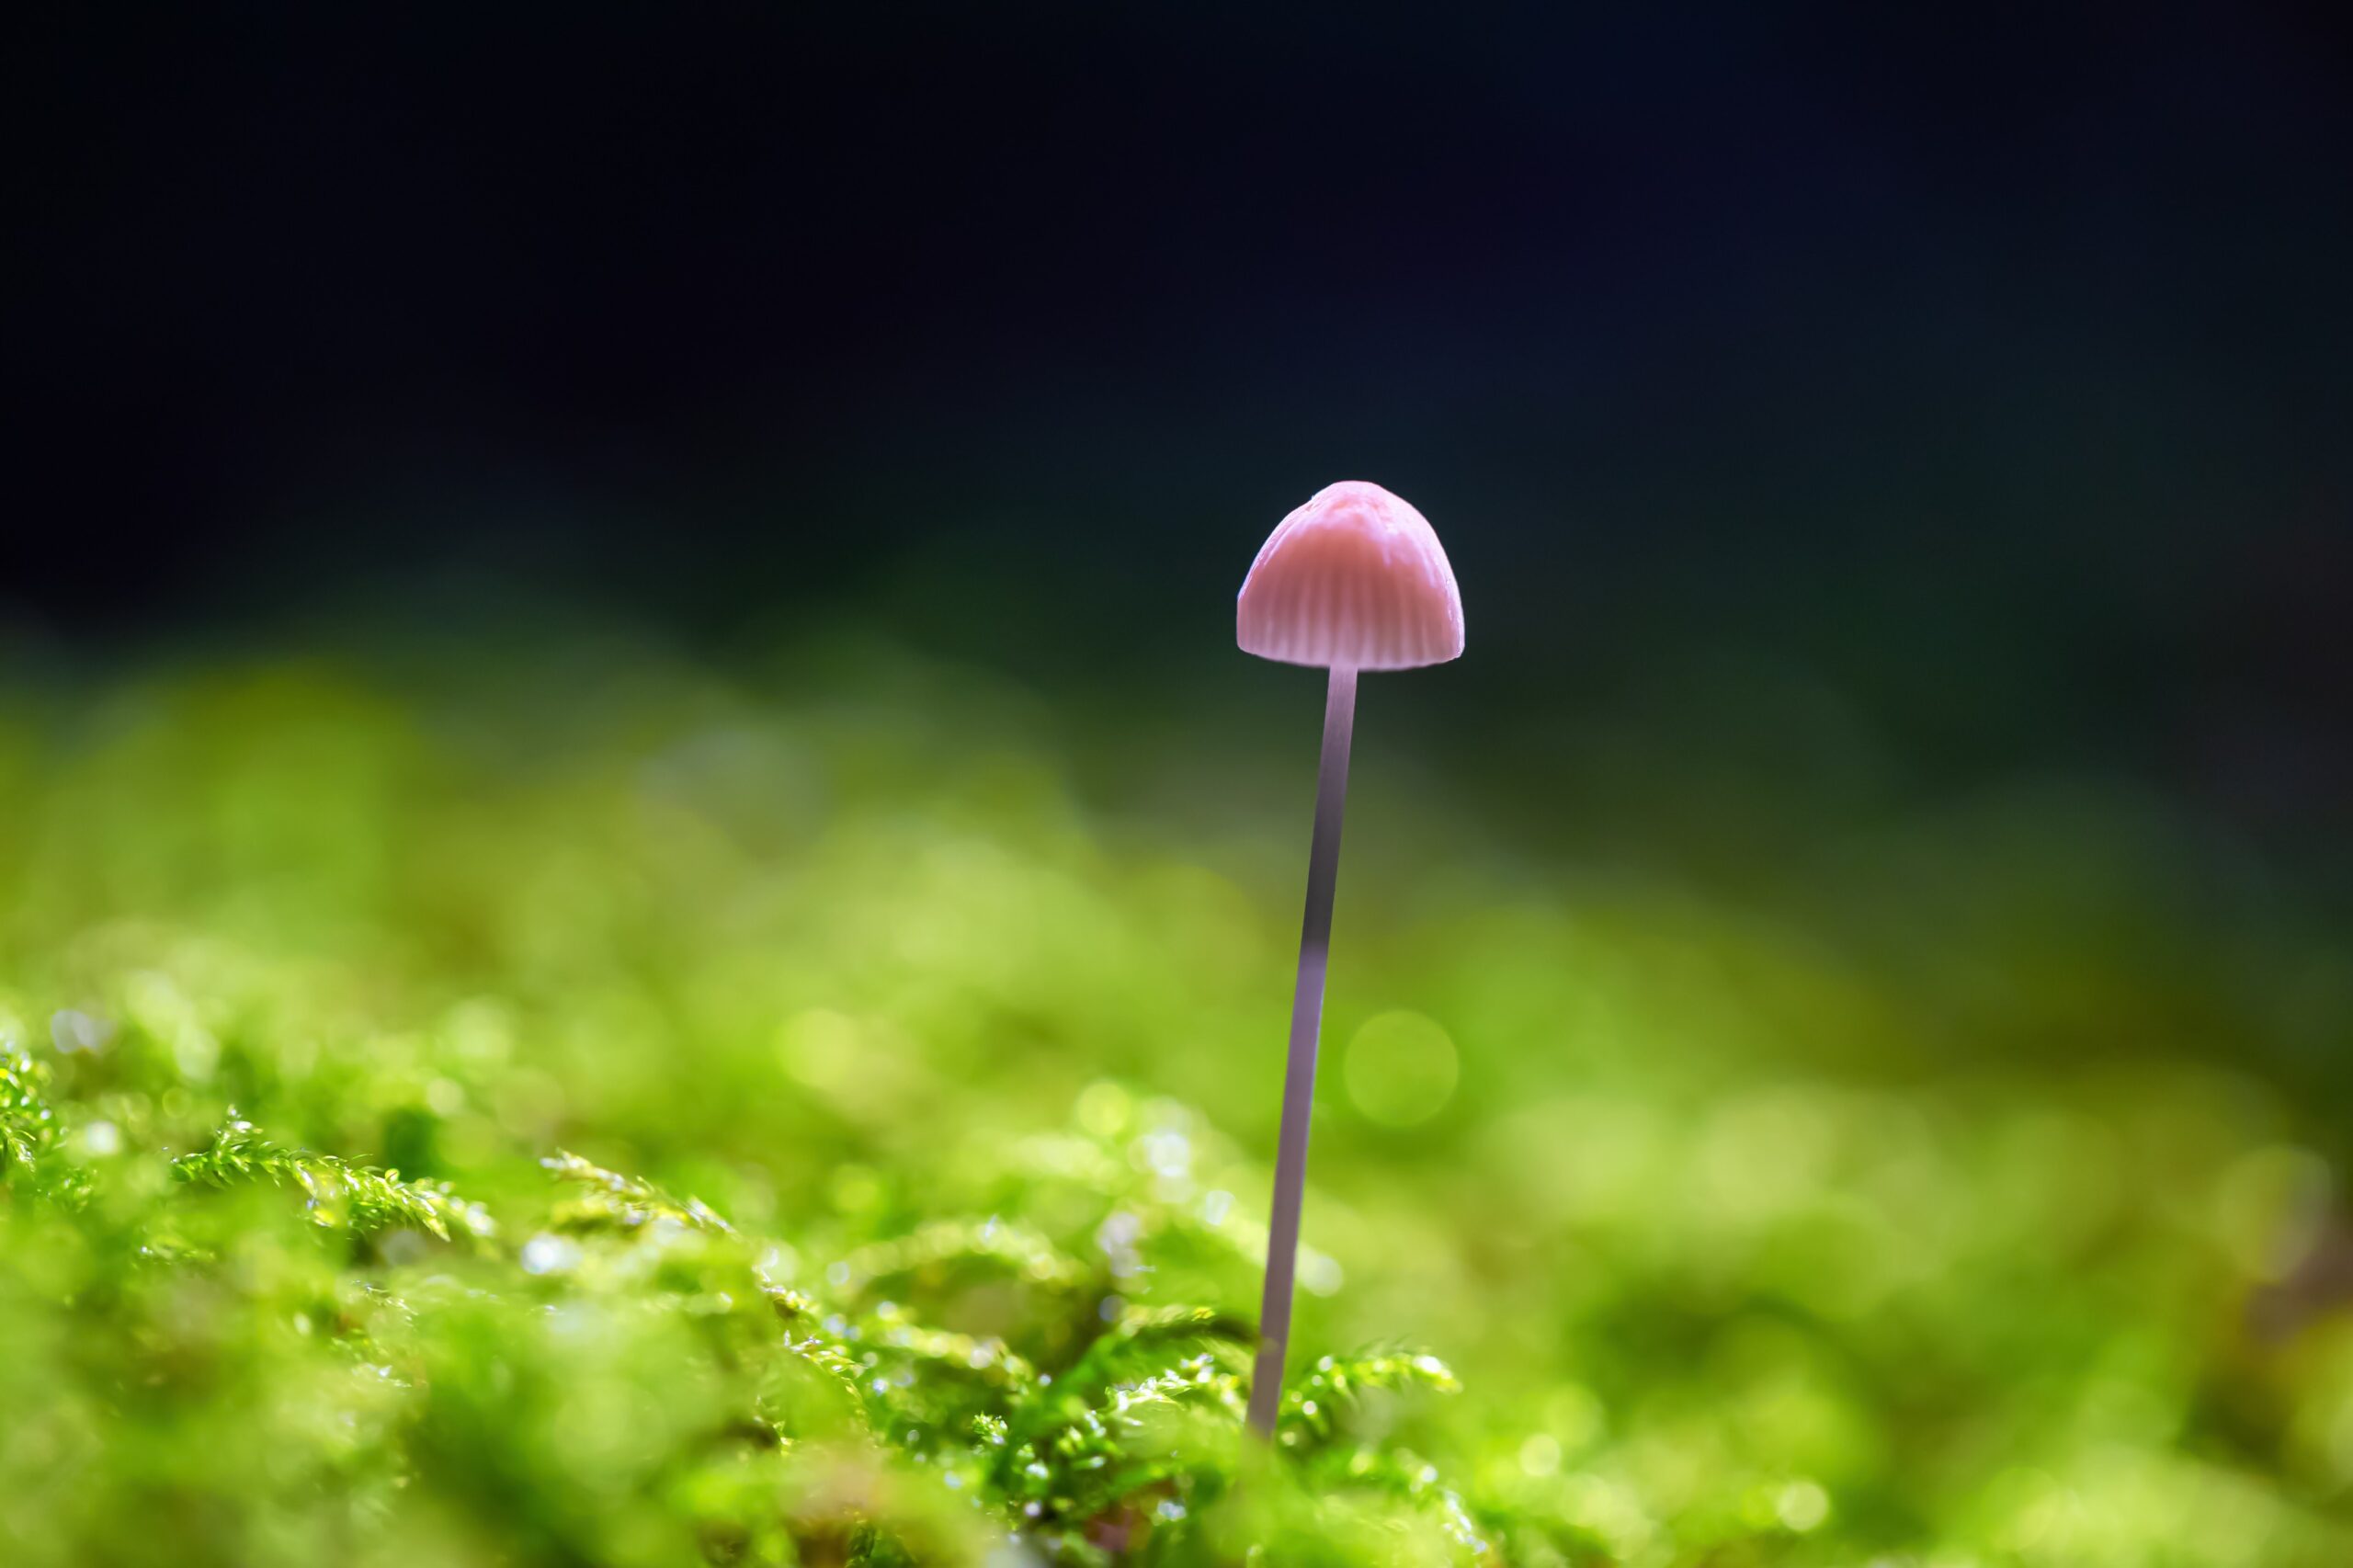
(1401, 1069)
(1801, 1505)
(1104, 1109)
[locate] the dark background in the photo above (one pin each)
(1987, 377)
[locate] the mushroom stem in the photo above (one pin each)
(1299, 1073)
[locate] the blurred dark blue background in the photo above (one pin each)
(1977, 381)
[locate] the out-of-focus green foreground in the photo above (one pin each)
(605, 1114)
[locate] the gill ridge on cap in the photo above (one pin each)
(1356, 577)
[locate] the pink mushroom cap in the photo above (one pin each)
(1354, 579)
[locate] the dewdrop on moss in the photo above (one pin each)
(1354, 580)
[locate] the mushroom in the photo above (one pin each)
(1354, 580)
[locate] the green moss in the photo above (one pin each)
(918, 1204)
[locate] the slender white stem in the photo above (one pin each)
(1299, 1072)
